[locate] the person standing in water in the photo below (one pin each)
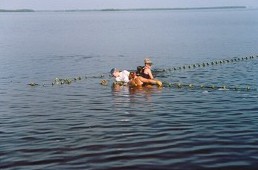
(146, 72)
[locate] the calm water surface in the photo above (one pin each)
(88, 126)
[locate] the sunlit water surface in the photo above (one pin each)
(88, 126)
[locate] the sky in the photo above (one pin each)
(103, 4)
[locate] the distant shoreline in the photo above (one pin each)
(167, 9)
(17, 10)
(129, 9)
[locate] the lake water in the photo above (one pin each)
(88, 126)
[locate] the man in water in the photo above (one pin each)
(139, 81)
(120, 76)
(124, 77)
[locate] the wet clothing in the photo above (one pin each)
(140, 72)
(147, 76)
(123, 76)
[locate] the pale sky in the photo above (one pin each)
(101, 4)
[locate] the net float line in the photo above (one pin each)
(63, 81)
(191, 86)
(206, 64)
(209, 87)
(105, 82)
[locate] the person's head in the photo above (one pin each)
(114, 72)
(148, 62)
(132, 75)
(139, 70)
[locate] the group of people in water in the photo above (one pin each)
(142, 77)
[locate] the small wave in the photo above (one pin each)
(124, 120)
(223, 89)
(76, 57)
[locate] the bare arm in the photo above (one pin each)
(144, 80)
(135, 82)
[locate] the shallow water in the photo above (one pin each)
(88, 126)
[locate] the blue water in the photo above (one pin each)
(88, 126)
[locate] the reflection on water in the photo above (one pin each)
(136, 94)
(89, 126)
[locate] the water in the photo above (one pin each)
(88, 126)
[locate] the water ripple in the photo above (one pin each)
(88, 126)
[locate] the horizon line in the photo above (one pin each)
(123, 9)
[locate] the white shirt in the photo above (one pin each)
(123, 76)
